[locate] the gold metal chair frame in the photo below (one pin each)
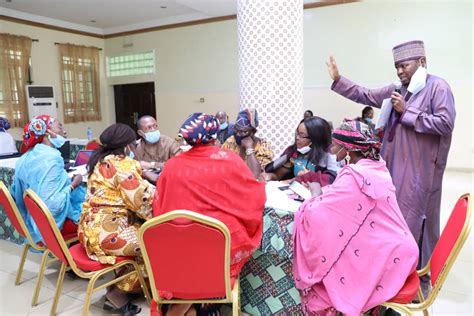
(231, 295)
(27, 246)
(423, 305)
(91, 275)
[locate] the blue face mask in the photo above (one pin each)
(131, 154)
(57, 142)
(223, 126)
(368, 120)
(153, 137)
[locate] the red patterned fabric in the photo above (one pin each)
(34, 130)
(199, 128)
(217, 183)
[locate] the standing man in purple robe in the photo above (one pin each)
(417, 138)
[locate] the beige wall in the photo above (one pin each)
(361, 35)
(201, 61)
(191, 63)
(45, 66)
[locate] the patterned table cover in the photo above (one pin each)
(7, 231)
(266, 280)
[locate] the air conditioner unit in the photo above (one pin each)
(41, 101)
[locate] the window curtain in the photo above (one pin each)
(14, 63)
(80, 82)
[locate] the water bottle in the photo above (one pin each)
(89, 134)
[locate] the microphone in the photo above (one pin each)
(398, 86)
(398, 89)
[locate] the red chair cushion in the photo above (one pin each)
(189, 263)
(92, 145)
(450, 235)
(85, 263)
(69, 231)
(5, 202)
(408, 291)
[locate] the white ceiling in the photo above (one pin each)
(114, 16)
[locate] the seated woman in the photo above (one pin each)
(116, 194)
(307, 160)
(41, 169)
(352, 247)
(7, 143)
(256, 152)
(367, 117)
(218, 194)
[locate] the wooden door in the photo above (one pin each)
(133, 101)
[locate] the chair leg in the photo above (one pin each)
(421, 298)
(89, 291)
(59, 286)
(155, 308)
(22, 263)
(146, 292)
(39, 282)
(236, 298)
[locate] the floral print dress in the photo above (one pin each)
(116, 195)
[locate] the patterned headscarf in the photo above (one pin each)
(357, 136)
(247, 118)
(4, 124)
(199, 128)
(34, 130)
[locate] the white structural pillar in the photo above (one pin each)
(270, 38)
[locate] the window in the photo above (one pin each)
(14, 65)
(131, 64)
(80, 83)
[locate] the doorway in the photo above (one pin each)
(133, 101)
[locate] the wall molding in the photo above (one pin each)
(24, 20)
(49, 26)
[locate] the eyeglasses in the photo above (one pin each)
(299, 135)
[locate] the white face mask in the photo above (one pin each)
(304, 150)
(337, 154)
(418, 80)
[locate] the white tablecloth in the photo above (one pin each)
(8, 163)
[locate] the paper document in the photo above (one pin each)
(82, 170)
(278, 198)
(300, 189)
(385, 111)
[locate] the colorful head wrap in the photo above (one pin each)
(199, 128)
(247, 118)
(4, 124)
(34, 130)
(357, 136)
(408, 51)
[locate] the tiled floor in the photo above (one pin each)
(456, 297)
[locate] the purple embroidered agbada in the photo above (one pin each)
(352, 248)
(416, 158)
